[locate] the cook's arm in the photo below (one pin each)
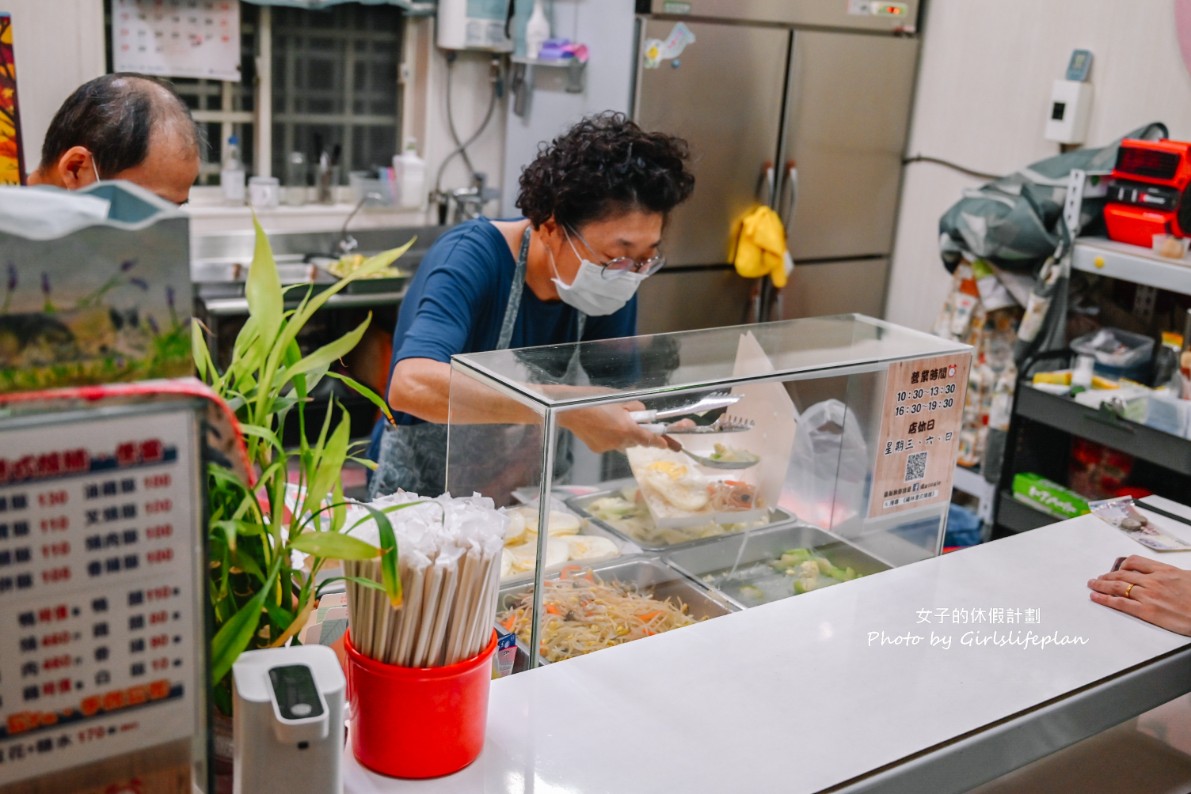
(421, 387)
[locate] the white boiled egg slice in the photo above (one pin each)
(589, 547)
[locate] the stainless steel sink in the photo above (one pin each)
(219, 264)
(291, 271)
(224, 258)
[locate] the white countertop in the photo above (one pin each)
(801, 694)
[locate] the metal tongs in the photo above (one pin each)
(708, 402)
(726, 423)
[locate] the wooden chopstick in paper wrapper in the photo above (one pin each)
(448, 560)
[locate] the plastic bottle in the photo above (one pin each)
(232, 174)
(1081, 374)
(537, 30)
(409, 173)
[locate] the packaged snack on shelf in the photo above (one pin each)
(1049, 497)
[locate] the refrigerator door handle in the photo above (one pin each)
(789, 194)
(765, 183)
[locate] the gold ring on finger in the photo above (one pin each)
(1129, 590)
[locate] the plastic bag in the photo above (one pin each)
(829, 465)
(1015, 222)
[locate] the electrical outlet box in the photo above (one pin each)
(1069, 111)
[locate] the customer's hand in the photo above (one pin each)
(604, 428)
(1153, 591)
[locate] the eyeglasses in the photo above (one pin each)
(645, 267)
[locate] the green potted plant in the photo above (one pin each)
(259, 597)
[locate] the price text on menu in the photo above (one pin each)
(98, 623)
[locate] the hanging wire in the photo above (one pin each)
(461, 146)
(922, 158)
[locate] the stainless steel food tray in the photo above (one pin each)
(380, 284)
(732, 562)
(579, 504)
(648, 573)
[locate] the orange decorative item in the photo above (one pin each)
(12, 164)
(1151, 193)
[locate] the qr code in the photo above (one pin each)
(916, 466)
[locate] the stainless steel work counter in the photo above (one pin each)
(830, 690)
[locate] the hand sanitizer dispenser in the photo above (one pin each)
(288, 720)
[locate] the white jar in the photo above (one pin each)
(264, 192)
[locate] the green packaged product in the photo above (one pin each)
(1047, 496)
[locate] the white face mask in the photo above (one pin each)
(95, 170)
(594, 291)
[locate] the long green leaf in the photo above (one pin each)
(290, 329)
(364, 391)
(248, 564)
(332, 351)
(204, 367)
(291, 356)
(330, 464)
(390, 579)
(263, 433)
(360, 580)
(263, 286)
(245, 349)
(365, 462)
(306, 311)
(233, 636)
(338, 506)
(334, 546)
(278, 615)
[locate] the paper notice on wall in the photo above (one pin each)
(920, 420)
(657, 50)
(177, 38)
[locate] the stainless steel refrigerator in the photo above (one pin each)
(799, 104)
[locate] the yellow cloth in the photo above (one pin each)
(761, 248)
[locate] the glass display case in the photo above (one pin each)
(779, 458)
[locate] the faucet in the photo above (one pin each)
(347, 243)
(469, 201)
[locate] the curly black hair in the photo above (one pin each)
(603, 166)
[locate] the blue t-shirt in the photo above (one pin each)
(456, 303)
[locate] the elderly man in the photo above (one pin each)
(123, 126)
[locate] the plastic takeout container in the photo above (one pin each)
(1117, 353)
(417, 722)
(363, 183)
(640, 528)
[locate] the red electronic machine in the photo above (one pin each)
(1151, 193)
